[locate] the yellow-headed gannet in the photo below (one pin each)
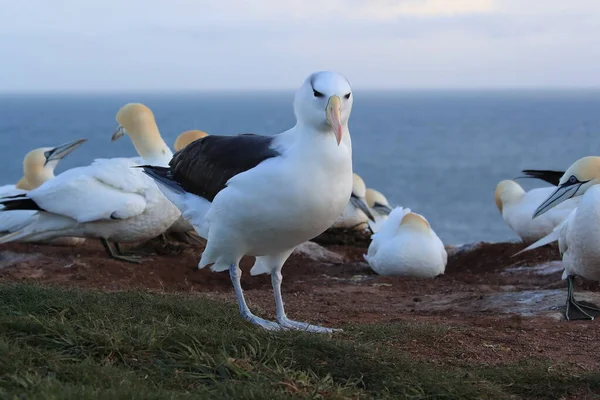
(516, 206)
(407, 246)
(264, 195)
(109, 199)
(38, 167)
(579, 235)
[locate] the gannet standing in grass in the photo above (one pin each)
(356, 213)
(109, 199)
(516, 206)
(407, 246)
(38, 167)
(579, 235)
(380, 208)
(181, 226)
(264, 195)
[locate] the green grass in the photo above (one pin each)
(75, 344)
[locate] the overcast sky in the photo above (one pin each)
(67, 45)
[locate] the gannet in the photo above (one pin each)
(181, 226)
(356, 213)
(579, 236)
(38, 167)
(380, 208)
(108, 199)
(516, 207)
(264, 195)
(408, 248)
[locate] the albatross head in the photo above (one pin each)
(324, 101)
(39, 164)
(137, 121)
(580, 176)
(188, 137)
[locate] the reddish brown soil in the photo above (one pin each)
(478, 323)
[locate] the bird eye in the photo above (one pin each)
(47, 154)
(347, 96)
(573, 180)
(317, 94)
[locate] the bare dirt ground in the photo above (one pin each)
(493, 307)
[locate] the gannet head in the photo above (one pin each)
(39, 164)
(378, 202)
(188, 137)
(324, 102)
(357, 197)
(578, 178)
(507, 192)
(415, 222)
(137, 121)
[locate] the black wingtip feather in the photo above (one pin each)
(22, 203)
(161, 175)
(550, 176)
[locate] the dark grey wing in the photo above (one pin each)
(552, 177)
(204, 166)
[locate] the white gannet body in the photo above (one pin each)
(185, 138)
(356, 213)
(380, 208)
(408, 248)
(517, 206)
(109, 199)
(264, 195)
(579, 234)
(38, 167)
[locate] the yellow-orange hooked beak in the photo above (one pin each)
(118, 133)
(333, 112)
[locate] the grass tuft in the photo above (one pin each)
(76, 344)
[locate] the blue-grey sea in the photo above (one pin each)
(440, 153)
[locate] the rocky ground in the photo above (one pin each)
(497, 308)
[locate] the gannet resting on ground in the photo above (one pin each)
(108, 199)
(38, 167)
(516, 207)
(408, 247)
(357, 213)
(263, 196)
(579, 236)
(380, 208)
(181, 226)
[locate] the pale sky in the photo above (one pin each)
(77, 45)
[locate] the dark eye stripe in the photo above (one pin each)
(317, 94)
(347, 96)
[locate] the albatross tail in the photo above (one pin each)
(193, 208)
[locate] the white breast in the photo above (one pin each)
(579, 239)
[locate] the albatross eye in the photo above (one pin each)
(347, 96)
(317, 94)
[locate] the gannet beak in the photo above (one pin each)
(562, 193)
(362, 206)
(118, 133)
(333, 112)
(58, 153)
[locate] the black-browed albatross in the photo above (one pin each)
(264, 195)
